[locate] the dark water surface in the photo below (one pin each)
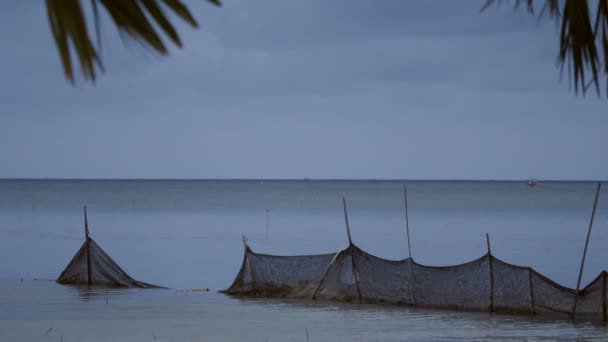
(187, 234)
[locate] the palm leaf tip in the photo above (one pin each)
(68, 26)
(140, 20)
(583, 43)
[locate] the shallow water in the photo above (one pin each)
(186, 234)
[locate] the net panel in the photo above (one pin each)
(461, 287)
(103, 270)
(280, 276)
(512, 292)
(340, 283)
(468, 286)
(550, 297)
(589, 302)
(383, 280)
(242, 284)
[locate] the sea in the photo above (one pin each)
(186, 235)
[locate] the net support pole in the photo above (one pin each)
(331, 264)
(409, 247)
(86, 233)
(491, 273)
(580, 273)
(352, 253)
(604, 313)
(250, 266)
(350, 240)
(407, 222)
(532, 307)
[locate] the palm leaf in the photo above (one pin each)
(140, 20)
(601, 27)
(580, 47)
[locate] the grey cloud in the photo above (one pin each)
(325, 89)
(271, 24)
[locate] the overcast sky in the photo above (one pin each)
(292, 89)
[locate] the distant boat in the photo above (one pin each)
(533, 183)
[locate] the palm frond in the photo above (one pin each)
(582, 43)
(69, 27)
(601, 27)
(577, 45)
(140, 20)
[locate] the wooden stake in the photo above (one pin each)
(350, 240)
(409, 247)
(491, 273)
(580, 274)
(333, 260)
(86, 223)
(532, 307)
(604, 314)
(412, 281)
(407, 222)
(352, 253)
(86, 232)
(247, 262)
(488, 242)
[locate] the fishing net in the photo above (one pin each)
(280, 276)
(462, 287)
(91, 266)
(352, 275)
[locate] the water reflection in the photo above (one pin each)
(90, 293)
(133, 314)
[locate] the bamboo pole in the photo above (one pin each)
(86, 223)
(350, 240)
(352, 253)
(88, 242)
(604, 314)
(333, 260)
(407, 222)
(491, 273)
(532, 306)
(409, 247)
(247, 262)
(580, 273)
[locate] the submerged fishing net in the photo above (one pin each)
(352, 275)
(91, 266)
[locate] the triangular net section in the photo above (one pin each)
(91, 266)
(279, 276)
(353, 275)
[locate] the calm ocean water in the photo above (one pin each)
(187, 234)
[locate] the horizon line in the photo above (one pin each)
(304, 179)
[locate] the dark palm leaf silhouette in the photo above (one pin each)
(139, 20)
(583, 40)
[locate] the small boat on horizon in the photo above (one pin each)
(533, 183)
